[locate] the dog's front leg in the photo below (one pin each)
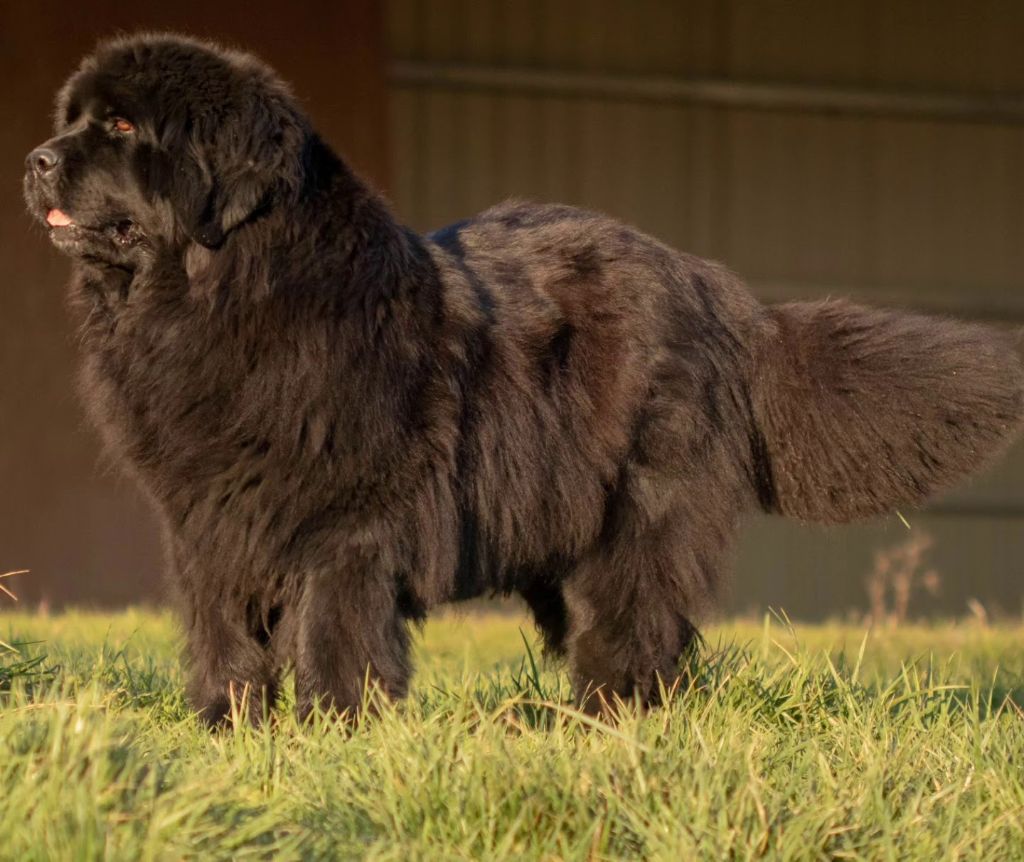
(350, 631)
(231, 666)
(229, 669)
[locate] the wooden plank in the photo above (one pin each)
(949, 107)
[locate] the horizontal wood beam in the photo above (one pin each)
(989, 108)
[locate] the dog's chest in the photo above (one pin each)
(165, 387)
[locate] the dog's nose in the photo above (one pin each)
(42, 160)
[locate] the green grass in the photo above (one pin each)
(810, 743)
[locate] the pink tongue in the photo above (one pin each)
(55, 218)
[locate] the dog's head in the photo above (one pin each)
(161, 139)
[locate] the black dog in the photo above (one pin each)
(343, 424)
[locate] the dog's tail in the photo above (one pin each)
(860, 411)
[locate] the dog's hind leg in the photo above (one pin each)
(626, 654)
(632, 603)
(547, 604)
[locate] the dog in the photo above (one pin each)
(343, 424)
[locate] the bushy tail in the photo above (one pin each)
(861, 411)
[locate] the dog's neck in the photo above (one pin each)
(343, 247)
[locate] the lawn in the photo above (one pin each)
(794, 743)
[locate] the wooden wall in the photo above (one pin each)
(872, 149)
(867, 149)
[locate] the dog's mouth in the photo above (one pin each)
(65, 231)
(125, 232)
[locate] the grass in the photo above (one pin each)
(819, 742)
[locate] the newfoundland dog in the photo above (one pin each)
(343, 424)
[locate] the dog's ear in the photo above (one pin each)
(237, 167)
(185, 180)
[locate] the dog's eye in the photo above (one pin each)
(120, 124)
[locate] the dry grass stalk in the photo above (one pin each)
(897, 572)
(7, 590)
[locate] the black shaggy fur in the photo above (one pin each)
(343, 424)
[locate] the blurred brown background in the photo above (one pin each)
(868, 149)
